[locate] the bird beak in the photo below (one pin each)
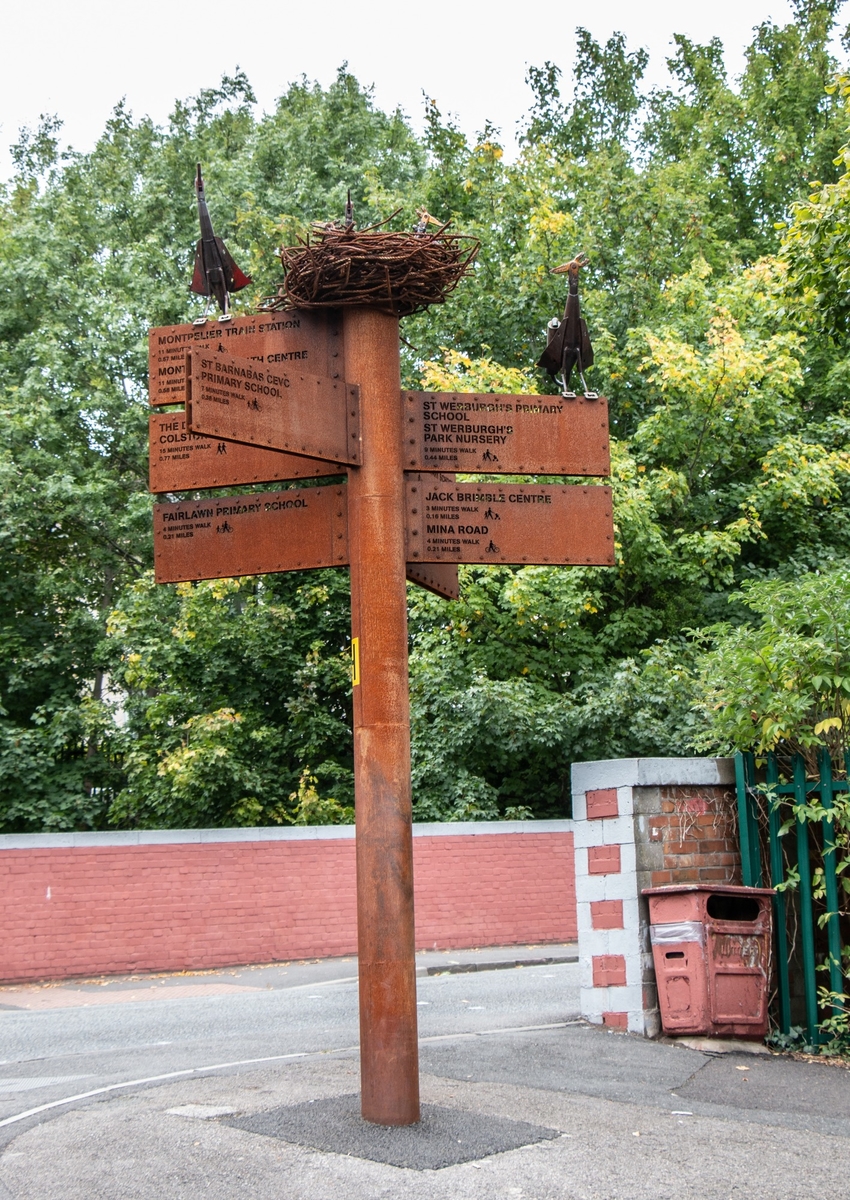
(580, 260)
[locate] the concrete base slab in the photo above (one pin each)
(443, 1138)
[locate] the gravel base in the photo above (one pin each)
(443, 1138)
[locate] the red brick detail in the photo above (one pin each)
(602, 803)
(603, 860)
(606, 914)
(92, 910)
(615, 1020)
(697, 835)
(609, 970)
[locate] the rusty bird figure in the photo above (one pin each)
(569, 343)
(425, 219)
(216, 274)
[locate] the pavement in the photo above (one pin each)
(520, 1097)
(174, 985)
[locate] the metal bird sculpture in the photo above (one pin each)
(216, 274)
(425, 219)
(569, 343)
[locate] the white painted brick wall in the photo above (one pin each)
(632, 941)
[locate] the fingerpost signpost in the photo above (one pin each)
(313, 390)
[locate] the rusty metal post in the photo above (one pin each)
(389, 1061)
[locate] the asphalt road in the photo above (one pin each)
(215, 1058)
(108, 1036)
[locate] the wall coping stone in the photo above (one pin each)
(651, 772)
(289, 833)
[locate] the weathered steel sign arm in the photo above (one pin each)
(517, 524)
(302, 341)
(183, 461)
(492, 434)
(274, 407)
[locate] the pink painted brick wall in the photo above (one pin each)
(496, 890)
(67, 911)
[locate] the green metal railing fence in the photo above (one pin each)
(763, 807)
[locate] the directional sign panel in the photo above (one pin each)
(181, 461)
(308, 341)
(241, 400)
(507, 523)
(505, 435)
(440, 578)
(251, 535)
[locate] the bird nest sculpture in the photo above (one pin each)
(400, 273)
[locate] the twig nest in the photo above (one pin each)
(401, 273)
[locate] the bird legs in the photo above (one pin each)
(588, 394)
(227, 315)
(568, 395)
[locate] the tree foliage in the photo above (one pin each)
(782, 682)
(720, 343)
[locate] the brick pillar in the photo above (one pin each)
(642, 822)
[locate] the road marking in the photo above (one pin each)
(251, 1062)
(26, 1083)
(114, 1087)
(299, 987)
(450, 1037)
(200, 1112)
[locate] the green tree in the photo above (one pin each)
(727, 477)
(94, 249)
(782, 680)
(236, 699)
(726, 373)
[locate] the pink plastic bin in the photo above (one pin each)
(711, 947)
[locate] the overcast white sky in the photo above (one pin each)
(79, 59)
